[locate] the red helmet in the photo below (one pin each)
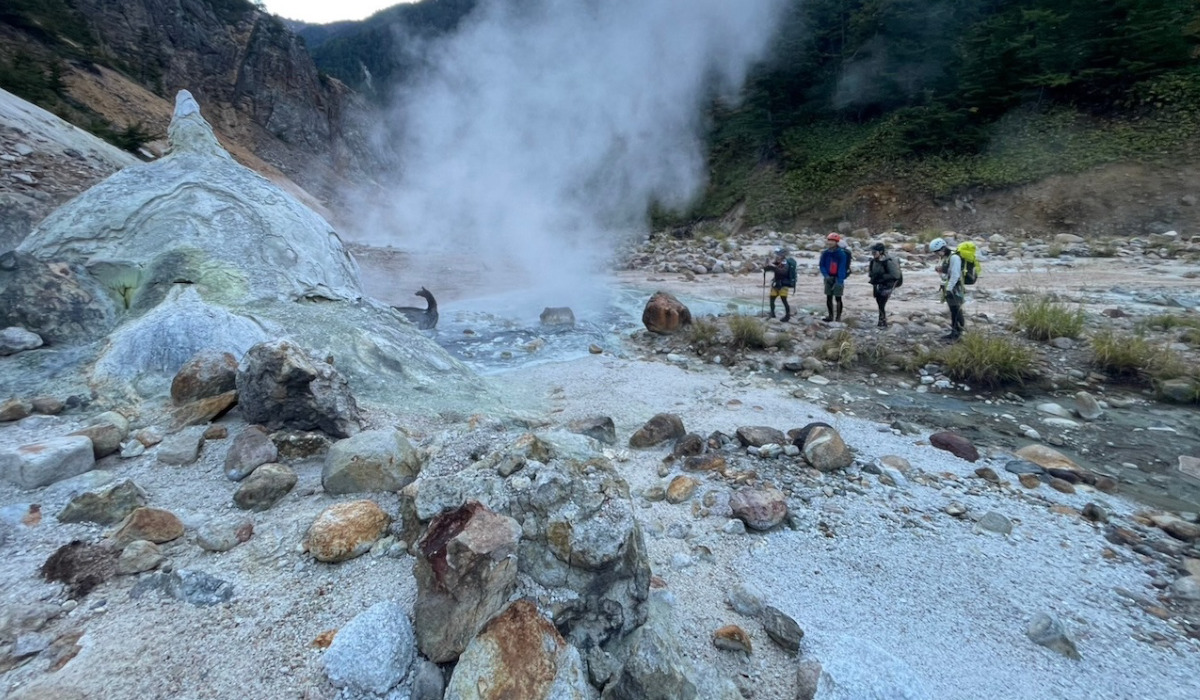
(833, 237)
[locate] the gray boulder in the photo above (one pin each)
(43, 463)
(251, 449)
(758, 435)
(373, 652)
(374, 460)
(58, 301)
(222, 534)
(182, 448)
(657, 430)
(600, 428)
(14, 340)
(264, 487)
(105, 506)
(522, 652)
(281, 386)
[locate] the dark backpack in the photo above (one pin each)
(791, 273)
(899, 274)
(849, 261)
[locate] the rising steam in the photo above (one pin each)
(544, 129)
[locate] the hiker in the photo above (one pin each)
(784, 269)
(953, 287)
(885, 275)
(835, 265)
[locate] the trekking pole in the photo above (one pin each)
(762, 307)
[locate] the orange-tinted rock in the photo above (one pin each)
(665, 314)
(732, 638)
(151, 524)
(345, 530)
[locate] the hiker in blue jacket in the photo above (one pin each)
(835, 265)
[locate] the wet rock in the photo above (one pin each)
(732, 638)
(80, 566)
(15, 339)
(465, 571)
(202, 411)
(43, 463)
(209, 373)
(372, 652)
(760, 509)
(1047, 458)
(681, 489)
(689, 445)
(955, 444)
(1020, 466)
(104, 506)
(1048, 631)
(994, 522)
(281, 386)
(1180, 390)
(782, 629)
(1087, 406)
(152, 524)
(251, 449)
(345, 530)
(825, 450)
(757, 436)
(657, 430)
(710, 462)
(182, 448)
(600, 428)
(223, 534)
(557, 316)
(264, 487)
(373, 460)
(139, 556)
(665, 314)
(519, 654)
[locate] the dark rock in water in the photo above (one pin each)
(1021, 466)
(665, 314)
(209, 373)
(600, 428)
(81, 566)
(281, 386)
(657, 430)
(61, 303)
(425, 319)
(758, 435)
(955, 444)
(557, 316)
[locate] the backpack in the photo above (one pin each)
(899, 274)
(791, 274)
(849, 261)
(969, 255)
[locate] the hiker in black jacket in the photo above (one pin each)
(885, 275)
(784, 269)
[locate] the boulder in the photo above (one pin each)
(955, 444)
(181, 448)
(373, 652)
(14, 340)
(139, 556)
(757, 436)
(43, 463)
(557, 316)
(825, 450)
(657, 430)
(1047, 458)
(106, 431)
(681, 489)
(251, 449)
(1180, 390)
(374, 460)
(665, 314)
(14, 410)
(465, 569)
(689, 445)
(855, 669)
(798, 436)
(519, 654)
(202, 411)
(105, 506)
(1087, 406)
(222, 534)
(782, 629)
(281, 386)
(264, 487)
(761, 508)
(345, 530)
(60, 302)
(208, 373)
(151, 524)
(599, 428)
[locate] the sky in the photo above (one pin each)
(324, 11)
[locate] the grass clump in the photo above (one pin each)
(988, 361)
(703, 333)
(1043, 318)
(747, 332)
(840, 348)
(1169, 322)
(1122, 354)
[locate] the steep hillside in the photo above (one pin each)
(114, 68)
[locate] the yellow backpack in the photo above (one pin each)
(970, 257)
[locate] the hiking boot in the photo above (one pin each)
(882, 323)
(828, 319)
(786, 318)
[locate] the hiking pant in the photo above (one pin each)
(883, 292)
(958, 320)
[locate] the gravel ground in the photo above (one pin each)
(897, 572)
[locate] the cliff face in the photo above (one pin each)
(261, 90)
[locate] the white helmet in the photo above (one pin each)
(937, 244)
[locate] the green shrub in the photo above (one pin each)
(1167, 322)
(1043, 318)
(988, 361)
(1122, 354)
(747, 332)
(840, 348)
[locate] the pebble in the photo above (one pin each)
(1048, 631)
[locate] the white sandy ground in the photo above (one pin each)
(949, 602)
